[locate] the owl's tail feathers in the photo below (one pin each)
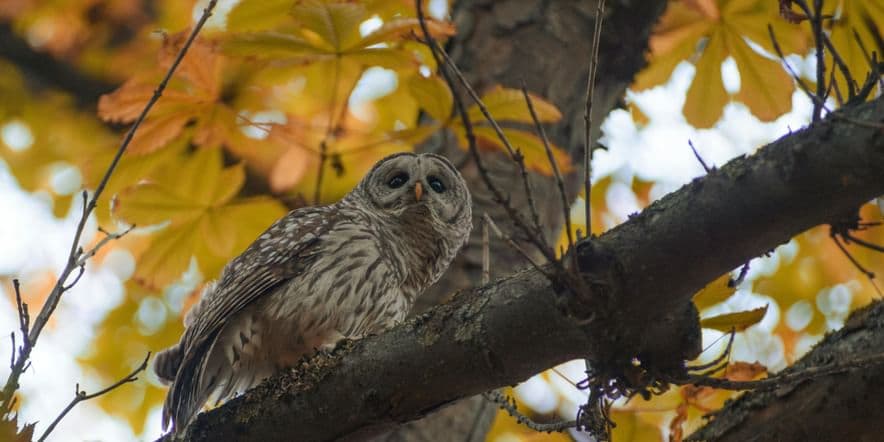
(166, 363)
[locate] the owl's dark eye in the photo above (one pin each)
(398, 181)
(436, 184)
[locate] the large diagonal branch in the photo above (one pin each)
(643, 273)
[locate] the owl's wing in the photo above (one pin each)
(276, 256)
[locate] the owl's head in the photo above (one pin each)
(414, 185)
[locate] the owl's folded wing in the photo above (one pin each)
(275, 257)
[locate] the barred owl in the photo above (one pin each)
(319, 275)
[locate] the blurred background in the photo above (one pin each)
(258, 135)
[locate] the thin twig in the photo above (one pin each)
(699, 158)
(80, 396)
(784, 379)
(587, 114)
(490, 223)
(24, 318)
(804, 88)
(73, 255)
(509, 405)
(108, 237)
(486, 253)
(560, 183)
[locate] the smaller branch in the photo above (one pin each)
(864, 243)
(24, 318)
(699, 158)
(869, 274)
(509, 404)
(587, 114)
(804, 88)
(560, 183)
(717, 361)
(842, 66)
(486, 253)
(784, 379)
(80, 270)
(80, 396)
(108, 237)
(490, 223)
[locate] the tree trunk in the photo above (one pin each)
(546, 44)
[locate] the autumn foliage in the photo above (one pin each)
(285, 103)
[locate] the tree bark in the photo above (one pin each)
(842, 407)
(547, 45)
(502, 333)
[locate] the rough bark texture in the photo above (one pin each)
(504, 332)
(843, 407)
(546, 44)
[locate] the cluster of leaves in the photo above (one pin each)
(707, 32)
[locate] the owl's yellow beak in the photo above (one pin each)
(418, 191)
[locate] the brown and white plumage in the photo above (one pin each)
(316, 276)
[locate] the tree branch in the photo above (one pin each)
(640, 292)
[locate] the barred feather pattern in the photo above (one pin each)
(316, 276)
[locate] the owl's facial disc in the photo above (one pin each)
(418, 186)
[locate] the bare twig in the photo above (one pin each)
(24, 318)
(486, 253)
(560, 183)
(509, 405)
(490, 223)
(587, 114)
(785, 379)
(699, 158)
(80, 396)
(804, 88)
(108, 237)
(88, 207)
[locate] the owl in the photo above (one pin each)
(317, 276)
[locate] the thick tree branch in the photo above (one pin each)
(643, 274)
(847, 406)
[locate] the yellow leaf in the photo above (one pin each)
(269, 45)
(148, 203)
(396, 59)
(168, 256)
(714, 292)
(405, 27)
(529, 144)
(509, 105)
(433, 96)
(706, 97)
(218, 232)
(765, 87)
(252, 15)
(336, 24)
(738, 321)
